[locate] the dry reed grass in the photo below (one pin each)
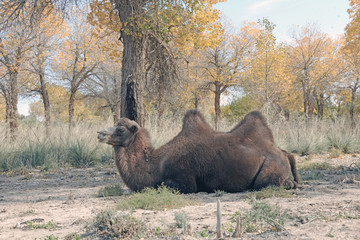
(80, 148)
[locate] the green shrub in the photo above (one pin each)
(111, 191)
(50, 237)
(48, 225)
(341, 138)
(82, 155)
(334, 152)
(219, 193)
(117, 226)
(181, 219)
(204, 233)
(154, 199)
(264, 216)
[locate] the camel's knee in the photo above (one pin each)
(181, 185)
(265, 182)
(290, 184)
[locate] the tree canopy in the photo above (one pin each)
(135, 58)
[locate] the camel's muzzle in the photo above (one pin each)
(103, 135)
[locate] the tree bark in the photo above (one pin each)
(304, 98)
(13, 111)
(217, 106)
(196, 101)
(311, 107)
(287, 114)
(71, 109)
(352, 106)
(115, 110)
(133, 63)
(308, 104)
(219, 89)
(320, 104)
(7, 109)
(46, 102)
(160, 107)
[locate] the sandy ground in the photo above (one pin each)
(326, 208)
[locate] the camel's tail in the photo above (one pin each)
(293, 168)
(292, 162)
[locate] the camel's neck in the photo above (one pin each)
(135, 163)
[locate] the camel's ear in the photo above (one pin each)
(133, 128)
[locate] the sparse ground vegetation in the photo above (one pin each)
(114, 225)
(154, 199)
(264, 217)
(269, 211)
(271, 191)
(112, 190)
(181, 219)
(48, 225)
(327, 202)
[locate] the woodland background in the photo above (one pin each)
(153, 60)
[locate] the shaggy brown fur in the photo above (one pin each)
(200, 159)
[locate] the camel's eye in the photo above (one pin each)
(120, 131)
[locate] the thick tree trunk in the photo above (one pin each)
(217, 93)
(115, 110)
(287, 114)
(217, 110)
(13, 111)
(305, 98)
(115, 101)
(133, 64)
(196, 101)
(352, 107)
(46, 103)
(7, 116)
(311, 107)
(160, 104)
(7, 110)
(71, 110)
(320, 105)
(309, 104)
(309, 101)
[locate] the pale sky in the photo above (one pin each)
(329, 15)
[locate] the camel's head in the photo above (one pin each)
(121, 135)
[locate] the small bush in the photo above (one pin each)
(111, 191)
(263, 217)
(73, 236)
(50, 237)
(341, 138)
(204, 233)
(219, 193)
(181, 219)
(334, 152)
(48, 225)
(82, 155)
(117, 226)
(154, 199)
